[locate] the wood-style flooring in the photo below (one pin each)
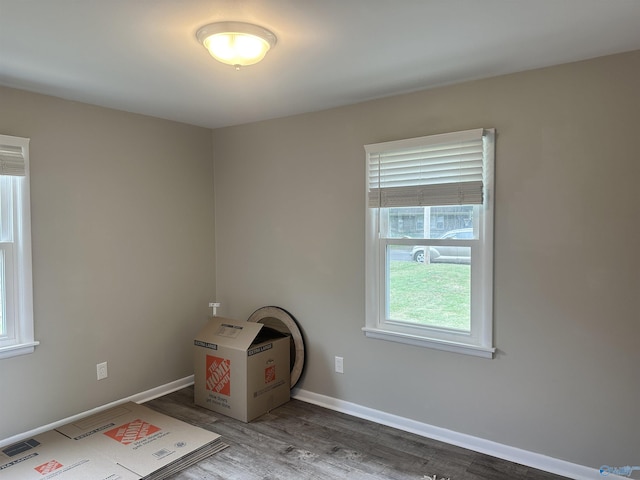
(303, 441)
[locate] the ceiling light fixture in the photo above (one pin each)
(236, 43)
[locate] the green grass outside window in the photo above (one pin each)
(437, 294)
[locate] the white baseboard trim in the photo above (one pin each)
(488, 447)
(137, 398)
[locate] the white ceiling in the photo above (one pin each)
(142, 55)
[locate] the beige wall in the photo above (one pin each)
(123, 244)
(122, 225)
(290, 232)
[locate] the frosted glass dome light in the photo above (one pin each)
(236, 43)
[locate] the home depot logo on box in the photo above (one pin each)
(48, 467)
(132, 432)
(269, 374)
(218, 375)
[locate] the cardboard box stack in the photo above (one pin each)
(122, 443)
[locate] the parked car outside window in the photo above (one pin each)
(446, 253)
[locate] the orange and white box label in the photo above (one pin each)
(48, 467)
(132, 431)
(218, 377)
(270, 374)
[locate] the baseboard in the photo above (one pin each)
(512, 454)
(137, 398)
(160, 391)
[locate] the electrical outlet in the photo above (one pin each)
(102, 370)
(339, 365)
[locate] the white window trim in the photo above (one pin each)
(18, 265)
(480, 341)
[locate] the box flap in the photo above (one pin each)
(268, 334)
(228, 332)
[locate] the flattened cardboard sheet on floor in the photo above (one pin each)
(139, 439)
(51, 455)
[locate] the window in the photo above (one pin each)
(429, 245)
(16, 304)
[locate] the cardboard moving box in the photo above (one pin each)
(241, 368)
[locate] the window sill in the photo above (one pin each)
(19, 349)
(418, 341)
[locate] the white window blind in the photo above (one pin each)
(444, 169)
(12, 160)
